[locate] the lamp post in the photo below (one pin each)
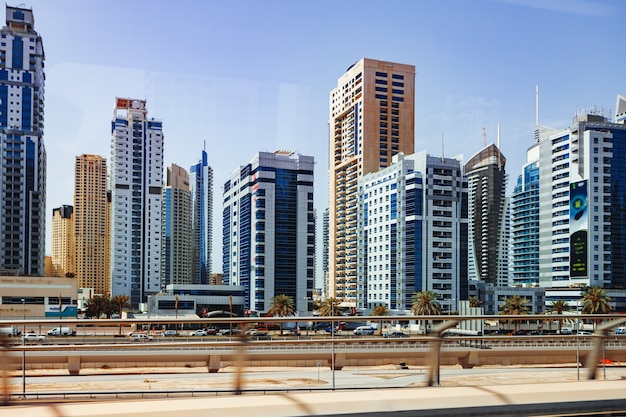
(24, 348)
(332, 339)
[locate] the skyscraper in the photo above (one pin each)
(136, 186)
(412, 233)
(91, 220)
(22, 150)
(62, 241)
(269, 230)
(525, 223)
(201, 184)
(371, 119)
(176, 236)
(582, 232)
(489, 230)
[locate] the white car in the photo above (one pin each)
(169, 333)
(199, 332)
(34, 337)
(139, 337)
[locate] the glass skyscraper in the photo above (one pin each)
(201, 184)
(22, 150)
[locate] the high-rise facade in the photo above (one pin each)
(201, 185)
(136, 186)
(582, 235)
(269, 230)
(371, 119)
(413, 230)
(176, 236)
(489, 230)
(22, 150)
(525, 224)
(91, 220)
(63, 241)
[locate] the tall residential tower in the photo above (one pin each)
(22, 150)
(176, 236)
(371, 119)
(136, 186)
(91, 220)
(269, 230)
(201, 185)
(63, 241)
(489, 229)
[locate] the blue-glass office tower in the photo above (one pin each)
(22, 150)
(269, 230)
(525, 224)
(201, 184)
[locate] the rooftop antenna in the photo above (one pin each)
(484, 137)
(442, 153)
(537, 105)
(499, 153)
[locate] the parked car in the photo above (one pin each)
(199, 332)
(139, 337)
(34, 337)
(396, 334)
(169, 333)
(620, 330)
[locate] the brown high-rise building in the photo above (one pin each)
(372, 117)
(91, 223)
(62, 241)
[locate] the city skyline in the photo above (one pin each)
(264, 79)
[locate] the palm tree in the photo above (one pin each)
(282, 306)
(596, 301)
(97, 306)
(329, 307)
(380, 310)
(475, 301)
(514, 306)
(558, 307)
(425, 304)
(119, 302)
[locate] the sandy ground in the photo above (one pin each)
(269, 379)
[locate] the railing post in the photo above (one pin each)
(434, 373)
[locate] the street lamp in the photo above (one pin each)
(23, 348)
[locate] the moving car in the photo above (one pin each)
(34, 337)
(169, 333)
(364, 330)
(61, 331)
(396, 334)
(139, 337)
(199, 332)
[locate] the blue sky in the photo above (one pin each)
(249, 76)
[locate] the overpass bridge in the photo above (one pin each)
(336, 353)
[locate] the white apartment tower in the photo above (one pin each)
(371, 119)
(136, 186)
(412, 233)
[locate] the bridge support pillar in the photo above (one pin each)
(469, 361)
(214, 363)
(340, 361)
(73, 364)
